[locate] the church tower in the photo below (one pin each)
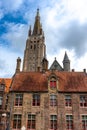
(35, 49)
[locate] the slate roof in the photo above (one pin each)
(37, 81)
(56, 66)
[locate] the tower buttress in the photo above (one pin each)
(35, 49)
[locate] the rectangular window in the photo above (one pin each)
(1, 98)
(6, 102)
(52, 84)
(84, 122)
(53, 122)
(31, 123)
(19, 99)
(83, 101)
(68, 101)
(17, 121)
(53, 100)
(69, 122)
(36, 100)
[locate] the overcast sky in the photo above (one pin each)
(64, 23)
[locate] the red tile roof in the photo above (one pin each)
(37, 81)
(7, 82)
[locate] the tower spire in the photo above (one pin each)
(35, 50)
(30, 31)
(37, 24)
(66, 62)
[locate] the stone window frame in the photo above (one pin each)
(18, 99)
(69, 122)
(31, 121)
(53, 122)
(68, 100)
(36, 99)
(17, 120)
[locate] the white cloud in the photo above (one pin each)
(7, 62)
(77, 9)
(16, 36)
(11, 5)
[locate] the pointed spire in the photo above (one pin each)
(66, 57)
(37, 25)
(30, 31)
(66, 62)
(38, 12)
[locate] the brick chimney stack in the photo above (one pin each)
(18, 64)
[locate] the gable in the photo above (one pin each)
(56, 66)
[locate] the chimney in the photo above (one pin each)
(73, 70)
(18, 64)
(84, 70)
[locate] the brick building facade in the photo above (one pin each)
(42, 98)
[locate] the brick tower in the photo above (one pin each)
(35, 49)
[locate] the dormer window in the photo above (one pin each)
(52, 83)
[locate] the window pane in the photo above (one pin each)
(36, 100)
(19, 99)
(84, 122)
(53, 122)
(68, 101)
(31, 121)
(52, 84)
(17, 121)
(53, 100)
(83, 100)
(69, 122)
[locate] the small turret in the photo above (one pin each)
(44, 64)
(18, 64)
(66, 63)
